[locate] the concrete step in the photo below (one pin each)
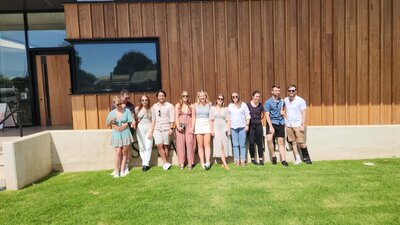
(2, 184)
(2, 172)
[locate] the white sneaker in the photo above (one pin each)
(126, 170)
(116, 175)
(167, 166)
(297, 162)
(203, 165)
(123, 174)
(113, 173)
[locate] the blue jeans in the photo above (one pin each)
(239, 141)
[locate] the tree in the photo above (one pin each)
(131, 62)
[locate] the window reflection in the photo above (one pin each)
(46, 30)
(14, 77)
(110, 67)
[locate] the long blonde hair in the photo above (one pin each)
(198, 94)
(116, 100)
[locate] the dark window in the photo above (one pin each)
(106, 66)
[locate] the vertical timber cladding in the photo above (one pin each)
(342, 54)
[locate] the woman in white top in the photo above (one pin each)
(144, 119)
(240, 117)
(202, 128)
(221, 131)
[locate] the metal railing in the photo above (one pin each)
(19, 120)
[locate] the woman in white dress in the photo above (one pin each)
(221, 131)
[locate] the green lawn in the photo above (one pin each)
(329, 192)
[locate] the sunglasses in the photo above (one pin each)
(291, 90)
(159, 113)
(235, 96)
(185, 96)
(221, 99)
(144, 100)
(118, 104)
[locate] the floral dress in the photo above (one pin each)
(124, 137)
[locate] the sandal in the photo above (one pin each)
(190, 167)
(181, 167)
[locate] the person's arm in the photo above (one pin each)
(128, 117)
(303, 120)
(193, 118)
(110, 119)
(268, 118)
(152, 124)
(247, 115)
(177, 118)
(228, 122)
(211, 119)
(153, 121)
(171, 114)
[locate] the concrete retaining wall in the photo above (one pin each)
(27, 160)
(33, 157)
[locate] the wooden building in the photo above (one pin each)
(344, 55)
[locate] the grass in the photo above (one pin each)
(329, 192)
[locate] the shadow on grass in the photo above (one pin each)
(48, 177)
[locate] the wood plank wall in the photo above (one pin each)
(344, 55)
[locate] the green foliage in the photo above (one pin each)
(335, 192)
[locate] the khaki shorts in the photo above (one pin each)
(294, 134)
(161, 137)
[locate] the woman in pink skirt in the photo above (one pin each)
(184, 131)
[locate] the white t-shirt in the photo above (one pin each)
(293, 111)
(238, 115)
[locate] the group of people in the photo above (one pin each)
(199, 122)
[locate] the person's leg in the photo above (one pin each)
(260, 147)
(117, 160)
(252, 137)
(180, 147)
(200, 147)
(190, 148)
(303, 147)
(292, 139)
(271, 146)
(242, 145)
(223, 159)
(207, 148)
(123, 161)
(167, 142)
(148, 147)
(140, 136)
(252, 134)
(161, 152)
(235, 145)
(281, 145)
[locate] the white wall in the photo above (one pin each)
(27, 160)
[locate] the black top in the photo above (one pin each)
(255, 113)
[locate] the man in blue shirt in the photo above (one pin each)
(274, 109)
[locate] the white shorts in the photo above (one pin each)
(161, 137)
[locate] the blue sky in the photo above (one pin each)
(100, 59)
